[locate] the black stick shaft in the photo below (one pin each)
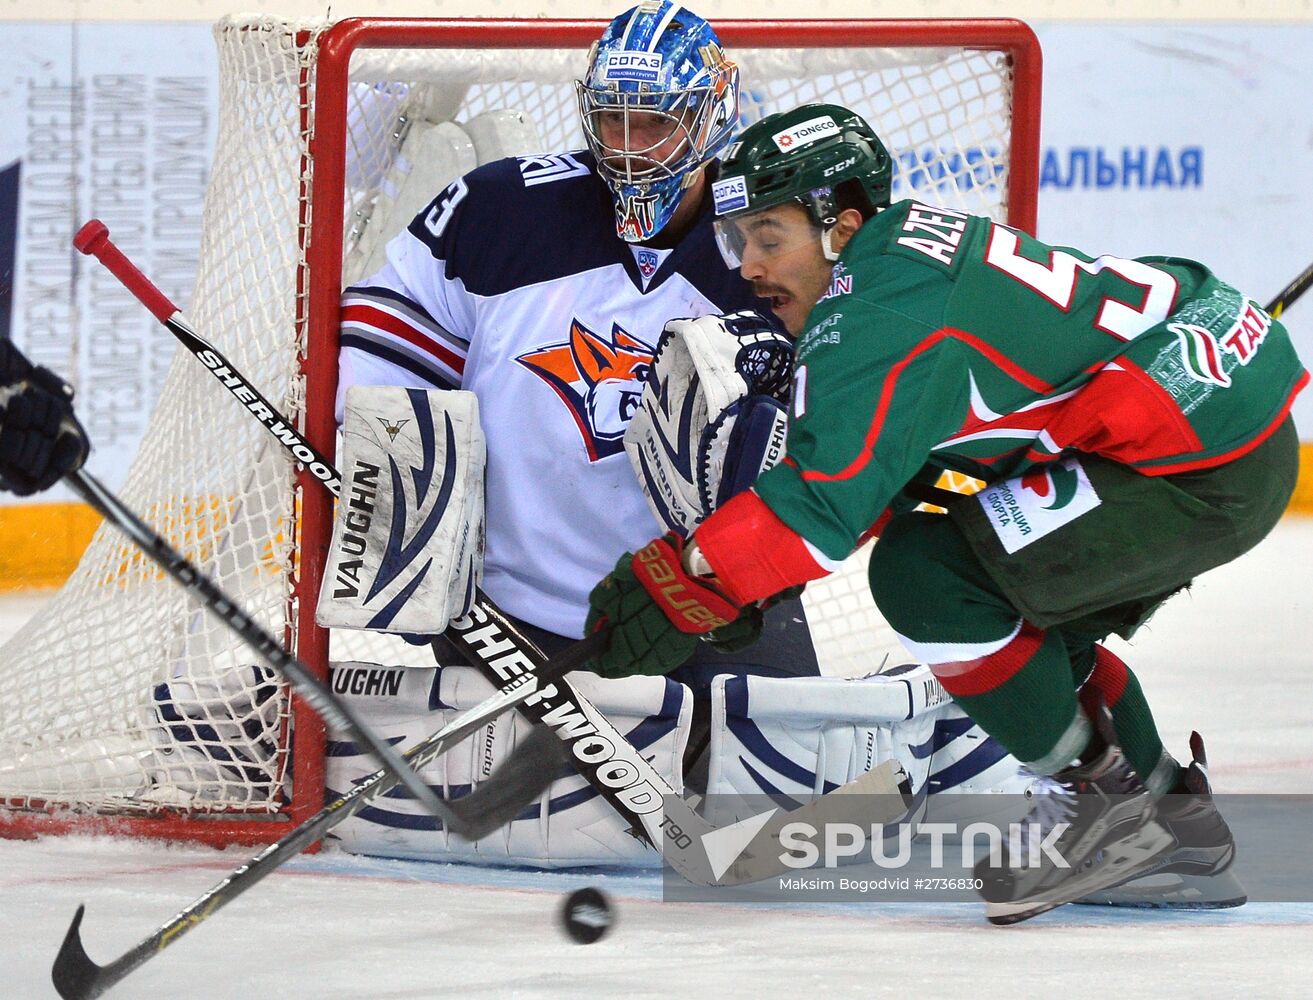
(77, 977)
(1287, 296)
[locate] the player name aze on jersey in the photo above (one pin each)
(958, 342)
(513, 284)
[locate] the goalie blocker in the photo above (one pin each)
(407, 550)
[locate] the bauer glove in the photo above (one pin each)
(655, 610)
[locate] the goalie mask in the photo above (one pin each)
(821, 156)
(659, 101)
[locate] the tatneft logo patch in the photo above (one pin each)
(808, 131)
(1029, 507)
(641, 67)
(730, 195)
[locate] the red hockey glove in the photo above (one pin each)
(656, 611)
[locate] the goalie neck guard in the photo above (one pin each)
(659, 60)
(820, 156)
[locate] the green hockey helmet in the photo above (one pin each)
(820, 156)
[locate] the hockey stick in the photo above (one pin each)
(463, 817)
(1287, 296)
(77, 977)
(602, 755)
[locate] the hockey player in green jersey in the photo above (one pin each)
(1130, 419)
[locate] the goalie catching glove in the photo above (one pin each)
(656, 611)
(712, 416)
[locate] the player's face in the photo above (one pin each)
(779, 251)
(650, 136)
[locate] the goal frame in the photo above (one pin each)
(322, 211)
(328, 185)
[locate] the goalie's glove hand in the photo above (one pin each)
(656, 611)
(765, 355)
(41, 439)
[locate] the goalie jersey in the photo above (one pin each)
(512, 284)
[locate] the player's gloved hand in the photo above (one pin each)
(40, 437)
(746, 629)
(655, 610)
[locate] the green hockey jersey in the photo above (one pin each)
(951, 341)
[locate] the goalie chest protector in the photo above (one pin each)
(554, 335)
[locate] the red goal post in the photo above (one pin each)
(311, 157)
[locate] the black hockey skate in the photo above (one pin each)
(1111, 835)
(1196, 873)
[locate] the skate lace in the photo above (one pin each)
(1051, 802)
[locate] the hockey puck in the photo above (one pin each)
(586, 915)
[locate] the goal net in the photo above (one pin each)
(125, 707)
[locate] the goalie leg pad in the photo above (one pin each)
(569, 826)
(407, 550)
(802, 737)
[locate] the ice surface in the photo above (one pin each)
(1232, 658)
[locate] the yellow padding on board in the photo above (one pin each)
(41, 543)
(1302, 500)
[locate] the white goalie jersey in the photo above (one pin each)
(555, 339)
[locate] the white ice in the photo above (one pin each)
(1232, 658)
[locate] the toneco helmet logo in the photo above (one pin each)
(808, 131)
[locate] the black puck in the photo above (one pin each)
(586, 915)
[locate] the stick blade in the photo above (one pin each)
(522, 777)
(75, 975)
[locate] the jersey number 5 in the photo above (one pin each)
(1056, 281)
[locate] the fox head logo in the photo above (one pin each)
(600, 381)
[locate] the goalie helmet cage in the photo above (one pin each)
(123, 708)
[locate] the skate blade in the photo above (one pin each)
(1172, 891)
(1154, 842)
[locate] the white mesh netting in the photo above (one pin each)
(121, 696)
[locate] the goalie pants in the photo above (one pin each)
(948, 586)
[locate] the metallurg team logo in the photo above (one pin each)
(599, 381)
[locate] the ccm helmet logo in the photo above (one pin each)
(808, 131)
(831, 171)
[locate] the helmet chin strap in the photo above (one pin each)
(830, 254)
